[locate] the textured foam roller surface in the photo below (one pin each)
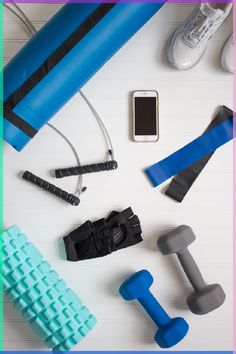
(54, 311)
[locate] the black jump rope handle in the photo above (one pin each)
(67, 197)
(81, 170)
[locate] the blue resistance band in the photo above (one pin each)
(190, 153)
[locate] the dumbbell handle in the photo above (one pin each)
(191, 269)
(154, 309)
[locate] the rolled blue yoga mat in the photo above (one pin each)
(190, 153)
(61, 58)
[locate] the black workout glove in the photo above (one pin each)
(104, 236)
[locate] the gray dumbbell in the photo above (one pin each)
(205, 298)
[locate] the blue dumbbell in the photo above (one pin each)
(171, 330)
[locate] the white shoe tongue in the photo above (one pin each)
(208, 11)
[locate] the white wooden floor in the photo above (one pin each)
(188, 101)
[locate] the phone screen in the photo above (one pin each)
(145, 116)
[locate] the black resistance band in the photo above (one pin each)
(48, 65)
(182, 182)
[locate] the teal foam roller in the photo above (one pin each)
(55, 313)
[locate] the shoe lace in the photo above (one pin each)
(202, 28)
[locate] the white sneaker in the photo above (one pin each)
(227, 55)
(188, 43)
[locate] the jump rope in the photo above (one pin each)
(79, 170)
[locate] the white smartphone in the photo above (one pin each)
(145, 116)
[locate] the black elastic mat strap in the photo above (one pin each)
(19, 122)
(58, 54)
(183, 181)
(87, 25)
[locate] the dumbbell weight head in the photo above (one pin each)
(172, 334)
(136, 286)
(205, 298)
(176, 240)
(171, 331)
